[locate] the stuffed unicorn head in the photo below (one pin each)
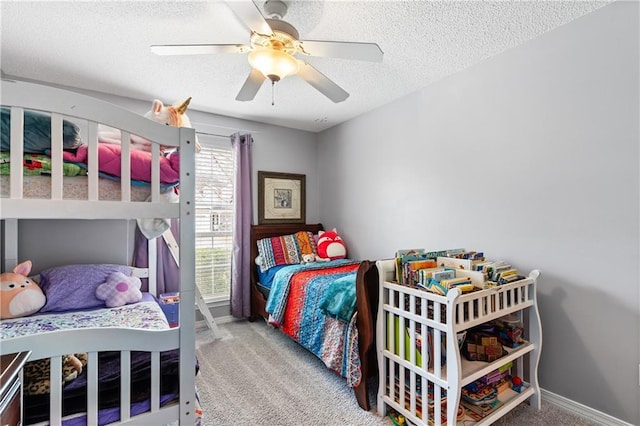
(171, 115)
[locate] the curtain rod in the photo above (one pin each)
(213, 134)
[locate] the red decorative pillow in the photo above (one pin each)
(331, 246)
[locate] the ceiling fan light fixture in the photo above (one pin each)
(272, 63)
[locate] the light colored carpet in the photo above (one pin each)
(255, 375)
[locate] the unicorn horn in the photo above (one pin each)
(182, 108)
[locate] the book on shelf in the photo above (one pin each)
(477, 278)
(425, 274)
(468, 263)
(402, 257)
(473, 255)
(408, 260)
(411, 270)
(443, 274)
(454, 262)
(498, 268)
(479, 412)
(170, 305)
(402, 252)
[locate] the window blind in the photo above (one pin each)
(214, 218)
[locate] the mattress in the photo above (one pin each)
(73, 188)
(143, 315)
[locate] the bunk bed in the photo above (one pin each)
(362, 352)
(150, 365)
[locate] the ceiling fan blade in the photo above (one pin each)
(251, 86)
(344, 50)
(198, 49)
(322, 83)
(249, 13)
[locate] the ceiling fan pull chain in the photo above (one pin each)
(273, 85)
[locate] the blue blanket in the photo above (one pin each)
(339, 300)
(294, 306)
(279, 293)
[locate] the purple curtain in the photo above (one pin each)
(241, 256)
(168, 273)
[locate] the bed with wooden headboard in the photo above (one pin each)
(366, 301)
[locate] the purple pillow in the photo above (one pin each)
(73, 287)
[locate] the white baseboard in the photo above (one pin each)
(581, 410)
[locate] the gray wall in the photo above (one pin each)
(531, 156)
(48, 244)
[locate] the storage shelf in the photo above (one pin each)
(446, 316)
(509, 399)
(471, 370)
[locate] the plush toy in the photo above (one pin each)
(37, 374)
(171, 115)
(119, 290)
(331, 246)
(72, 366)
(308, 258)
(19, 295)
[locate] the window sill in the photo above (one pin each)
(216, 301)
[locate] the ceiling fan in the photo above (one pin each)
(273, 50)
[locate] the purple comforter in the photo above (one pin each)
(36, 407)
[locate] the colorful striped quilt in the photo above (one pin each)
(294, 305)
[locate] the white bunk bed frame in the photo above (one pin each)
(61, 103)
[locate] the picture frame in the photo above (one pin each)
(281, 198)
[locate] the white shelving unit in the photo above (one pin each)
(430, 317)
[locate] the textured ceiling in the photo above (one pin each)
(104, 46)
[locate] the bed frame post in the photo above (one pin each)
(187, 318)
(10, 244)
(367, 302)
(152, 256)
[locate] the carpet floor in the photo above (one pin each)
(255, 375)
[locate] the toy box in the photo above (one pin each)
(170, 304)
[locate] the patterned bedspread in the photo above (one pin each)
(143, 315)
(294, 306)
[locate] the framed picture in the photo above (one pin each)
(281, 198)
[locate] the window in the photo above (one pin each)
(214, 217)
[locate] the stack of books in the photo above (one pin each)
(440, 271)
(170, 304)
